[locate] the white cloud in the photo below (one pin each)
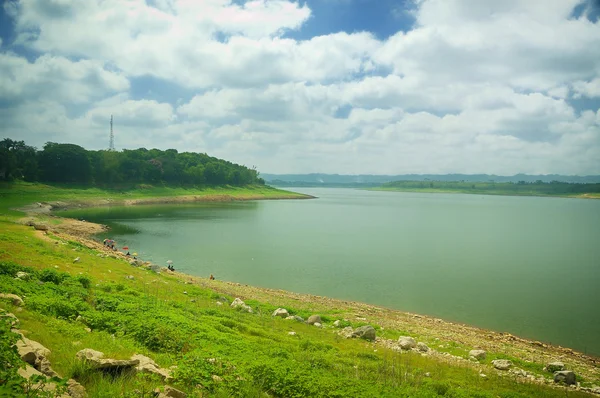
(473, 87)
(56, 78)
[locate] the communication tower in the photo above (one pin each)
(111, 145)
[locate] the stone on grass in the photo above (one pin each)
(12, 319)
(502, 364)
(40, 227)
(565, 376)
(292, 333)
(337, 323)
(75, 389)
(23, 275)
(31, 351)
(314, 319)
(97, 361)
(555, 366)
(366, 332)
(422, 347)
(347, 332)
(281, 312)
(16, 300)
(238, 303)
(406, 342)
(171, 392)
(147, 365)
(294, 318)
(477, 354)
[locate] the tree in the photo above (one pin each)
(65, 163)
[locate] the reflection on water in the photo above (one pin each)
(527, 265)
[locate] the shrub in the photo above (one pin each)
(51, 275)
(85, 281)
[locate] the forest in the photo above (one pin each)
(72, 164)
(496, 188)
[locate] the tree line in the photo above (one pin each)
(70, 163)
(519, 188)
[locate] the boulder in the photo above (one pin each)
(11, 318)
(31, 351)
(23, 275)
(295, 318)
(75, 389)
(147, 365)
(406, 342)
(555, 366)
(565, 376)
(347, 332)
(365, 332)
(40, 227)
(238, 303)
(314, 319)
(422, 347)
(477, 354)
(337, 323)
(502, 364)
(16, 300)
(171, 392)
(317, 324)
(28, 371)
(96, 360)
(43, 365)
(281, 312)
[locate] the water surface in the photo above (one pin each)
(526, 265)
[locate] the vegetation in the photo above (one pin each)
(521, 188)
(69, 163)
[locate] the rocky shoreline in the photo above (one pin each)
(432, 330)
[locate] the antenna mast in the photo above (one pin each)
(111, 145)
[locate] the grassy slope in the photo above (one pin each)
(181, 324)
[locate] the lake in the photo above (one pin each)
(525, 265)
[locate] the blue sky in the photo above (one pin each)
(334, 86)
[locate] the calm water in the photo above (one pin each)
(526, 265)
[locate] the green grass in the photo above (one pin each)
(255, 355)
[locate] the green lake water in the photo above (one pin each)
(525, 265)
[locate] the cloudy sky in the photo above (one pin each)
(333, 86)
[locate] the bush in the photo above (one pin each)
(51, 275)
(85, 281)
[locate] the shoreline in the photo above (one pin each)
(429, 327)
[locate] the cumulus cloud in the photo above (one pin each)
(471, 87)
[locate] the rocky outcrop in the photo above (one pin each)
(97, 361)
(422, 347)
(555, 366)
(147, 365)
(75, 389)
(170, 392)
(31, 351)
(365, 332)
(406, 342)
(238, 303)
(10, 317)
(16, 300)
(314, 319)
(477, 354)
(347, 332)
(281, 312)
(502, 364)
(565, 376)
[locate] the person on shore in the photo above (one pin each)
(128, 255)
(212, 278)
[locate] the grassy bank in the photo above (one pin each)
(553, 189)
(218, 351)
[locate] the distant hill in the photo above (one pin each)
(318, 179)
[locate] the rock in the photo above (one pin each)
(130, 277)
(347, 332)
(28, 371)
(314, 319)
(12, 319)
(502, 364)
(16, 300)
(337, 323)
(555, 366)
(406, 342)
(147, 365)
(88, 330)
(565, 376)
(427, 374)
(365, 332)
(477, 354)
(75, 389)
(317, 324)
(422, 347)
(292, 333)
(216, 379)
(23, 275)
(281, 312)
(44, 366)
(174, 393)
(96, 360)
(295, 318)
(76, 260)
(31, 351)
(40, 227)
(238, 303)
